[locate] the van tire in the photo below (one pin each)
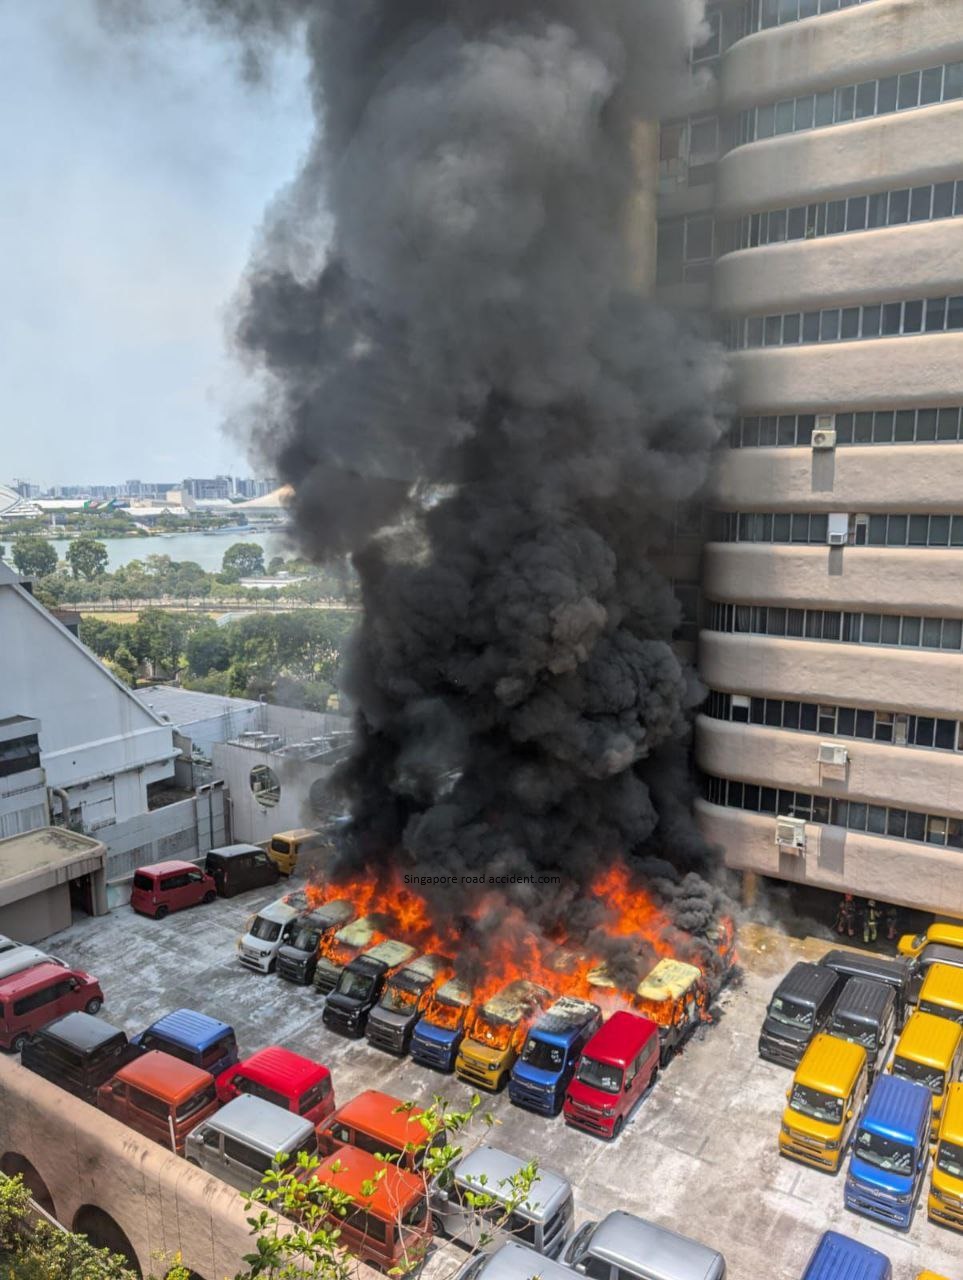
(618, 1127)
(209, 897)
(161, 912)
(18, 1042)
(94, 1006)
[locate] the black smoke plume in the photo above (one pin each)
(472, 399)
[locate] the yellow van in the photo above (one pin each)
(287, 847)
(949, 935)
(930, 1051)
(942, 992)
(825, 1099)
(945, 1202)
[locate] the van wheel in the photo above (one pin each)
(18, 1043)
(209, 896)
(161, 912)
(617, 1128)
(93, 1006)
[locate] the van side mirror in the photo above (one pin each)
(788, 1094)
(849, 1114)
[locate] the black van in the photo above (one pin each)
(896, 973)
(800, 1007)
(79, 1053)
(239, 867)
(865, 1013)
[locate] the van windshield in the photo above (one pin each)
(882, 1152)
(266, 930)
(949, 1159)
(356, 986)
(441, 1013)
(790, 1012)
(543, 1056)
(941, 1010)
(851, 1029)
(492, 1031)
(819, 1106)
(599, 1075)
(306, 939)
(921, 1072)
(415, 1216)
(280, 846)
(398, 999)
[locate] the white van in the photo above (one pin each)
(267, 932)
(17, 956)
(238, 1144)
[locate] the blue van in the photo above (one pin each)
(437, 1036)
(193, 1037)
(550, 1054)
(890, 1152)
(836, 1257)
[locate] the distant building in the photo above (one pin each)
(210, 490)
(13, 506)
(248, 488)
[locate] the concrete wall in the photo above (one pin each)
(38, 916)
(252, 822)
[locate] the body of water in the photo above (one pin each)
(207, 550)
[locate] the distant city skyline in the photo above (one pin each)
(135, 181)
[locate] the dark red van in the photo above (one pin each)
(287, 1079)
(617, 1065)
(169, 886)
(32, 998)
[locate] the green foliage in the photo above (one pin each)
(208, 649)
(158, 637)
(87, 558)
(41, 1251)
(245, 559)
(34, 557)
(125, 661)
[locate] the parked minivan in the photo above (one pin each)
(298, 957)
(512, 1261)
(865, 1014)
(550, 1053)
(161, 1097)
(837, 1257)
(824, 1102)
(633, 1247)
(383, 1125)
(193, 1037)
(799, 1009)
(239, 867)
(287, 1079)
(387, 1224)
(890, 1152)
(163, 887)
(18, 956)
(945, 1203)
(617, 1066)
(78, 1052)
(32, 998)
(896, 973)
(543, 1221)
(930, 1051)
(239, 1143)
(949, 935)
(266, 934)
(942, 993)
(289, 848)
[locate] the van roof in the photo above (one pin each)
(566, 1016)
(929, 1039)
(486, 1167)
(830, 1065)
(897, 1108)
(837, 1256)
(261, 1124)
(391, 953)
(806, 981)
(514, 1261)
(279, 912)
(164, 1076)
(165, 868)
(620, 1038)
(454, 992)
(864, 998)
(298, 833)
(942, 931)
(28, 979)
(378, 1114)
(940, 953)
(349, 1169)
(81, 1031)
(429, 967)
(233, 850)
(191, 1029)
(516, 1001)
(943, 983)
(895, 971)
(622, 1239)
(669, 980)
(276, 1066)
(358, 933)
(951, 1121)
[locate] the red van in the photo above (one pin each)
(277, 1075)
(161, 1097)
(381, 1125)
(32, 998)
(617, 1065)
(163, 887)
(387, 1222)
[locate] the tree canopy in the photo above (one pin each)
(34, 557)
(245, 559)
(87, 558)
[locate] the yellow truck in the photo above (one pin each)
(824, 1102)
(944, 1204)
(942, 993)
(302, 849)
(948, 935)
(930, 1051)
(494, 1040)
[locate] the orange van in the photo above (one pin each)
(380, 1125)
(161, 1097)
(387, 1224)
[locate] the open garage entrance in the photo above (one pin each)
(46, 876)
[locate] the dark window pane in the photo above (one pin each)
(953, 81)
(912, 317)
(846, 721)
(876, 211)
(876, 536)
(886, 95)
(780, 527)
(776, 622)
(864, 724)
(773, 331)
(787, 423)
(865, 99)
(905, 426)
(814, 625)
(926, 424)
(871, 627)
(891, 318)
(808, 8)
(931, 85)
(818, 528)
(829, 325)
(807, 717)
(871, 321)
(909, 90)
(821, 808)
(939, 531)
(804, 113)
(790, 711)
(931, 633)
(948, 426)
(767, 431)
(956, 534)
(954, 313)
(898, 207)
(958, 199)
(767, 800)
(750, 797)
(840, 811)
(935, 315)
(952, 633)
(896, 531)
(790, 329)
(920, 198)
(876, 820)
(800, 528)
(915, 826)
(896, 823)
(784, 116)
(862, 426)
(773, 713)
(850, 325)
(777, 226)
(910, 632)
(943, 200)
(890, 630)
(804, 432)
(945, 735)
(835, 217)
(796, 229)
(882, 428)
(918, 531)
(754, 332)
(750, 432)
(757, 710)
(845, 98)
(831, 626)
(824, 108)
(857, 816)
(856, 213)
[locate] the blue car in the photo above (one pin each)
(836, 1257)
(890, 1152)
(437, 1036)
(550, 1054)
(193, 1037)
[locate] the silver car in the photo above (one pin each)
(629, 1246)
(542, 1222)
(17, 956)
(513, 1261)
(238, 1143)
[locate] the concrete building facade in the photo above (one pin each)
(813, 201)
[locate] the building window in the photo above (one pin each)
(875, 320)
(763, 14)
(688, 151)
(709, 51)
(17, 755)
(686, 250)
(811, 528)
(889, 630)
(884, 426)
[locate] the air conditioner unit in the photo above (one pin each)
(830, 753)
(837, 539)
(838, 528)
(824, 439)
(791, 833)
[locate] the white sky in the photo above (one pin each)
(134, 176)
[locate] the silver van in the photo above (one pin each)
(543, 1222)
(238, 1143)
(512, 1261)
(633, 1249)
(266, 934)
(17, 956)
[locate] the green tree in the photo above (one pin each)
(246, 559)
(125, 661)
(208, 649)
(158, 637)
(87, 557)
(276, 564)
(34, 557)
(103, 636)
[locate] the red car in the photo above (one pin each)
(169, 886)
(617, 1065)
(277, 1075)
(32, 998)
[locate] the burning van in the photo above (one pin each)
(551, 1051)
(675, 995)
(338, 949)
(493, 1042)
(361, 983)
(406, 995)
(437, 1036)
(298, 957)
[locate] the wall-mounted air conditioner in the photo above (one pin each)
(837, 528)
(830, 753)
(824, 439)
(791, 834)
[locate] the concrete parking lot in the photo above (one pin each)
(699, 1155)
